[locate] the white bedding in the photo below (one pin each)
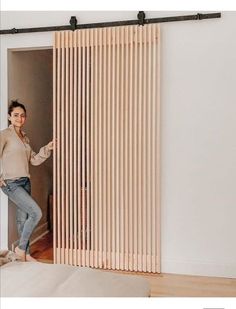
(28, 279)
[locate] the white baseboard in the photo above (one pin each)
(225, 269)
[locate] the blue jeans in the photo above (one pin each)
(28, 213)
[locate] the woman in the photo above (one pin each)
(15, 156)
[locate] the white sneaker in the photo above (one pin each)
(20, 254)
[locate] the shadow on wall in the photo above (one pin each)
(30, 80)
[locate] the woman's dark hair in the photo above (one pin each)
(14, 104)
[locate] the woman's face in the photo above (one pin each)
(17, 117)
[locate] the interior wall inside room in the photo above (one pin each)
(30, 81)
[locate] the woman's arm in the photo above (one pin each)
(44, 153)
(2, 145)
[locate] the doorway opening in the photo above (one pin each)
(30, 81)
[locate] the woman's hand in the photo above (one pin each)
(50, 145)
(2, 183)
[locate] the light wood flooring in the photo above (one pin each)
(166, 285)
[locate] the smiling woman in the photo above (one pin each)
(15, 155)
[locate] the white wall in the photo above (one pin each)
(198, 169)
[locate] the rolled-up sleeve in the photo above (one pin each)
(37, 159)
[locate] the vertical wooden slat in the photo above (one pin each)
(88, 148)
(126, 181)
(79, 139)
(100, 163)
(67, 146)
(135, 150)
(116, 150)
(104, 142)
(55, 120)
(158, 143)
(63, 204)
(131, 133)
(153, 180)
(144, 202)
(60, 142)
(75, 146)
(113, 152)
(148, 151)
(121, 154)
(109, 169)
(57, 228)
(96, 225)
(83, 150)
(152, 167)
(70, 167)
(92, 148)
(139, 151)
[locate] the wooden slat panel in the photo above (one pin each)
(107, 163)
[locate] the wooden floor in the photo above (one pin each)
(161, 284)
(43, 248)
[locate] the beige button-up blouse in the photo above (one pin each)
(16, 154)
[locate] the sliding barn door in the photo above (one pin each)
(107, 156)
